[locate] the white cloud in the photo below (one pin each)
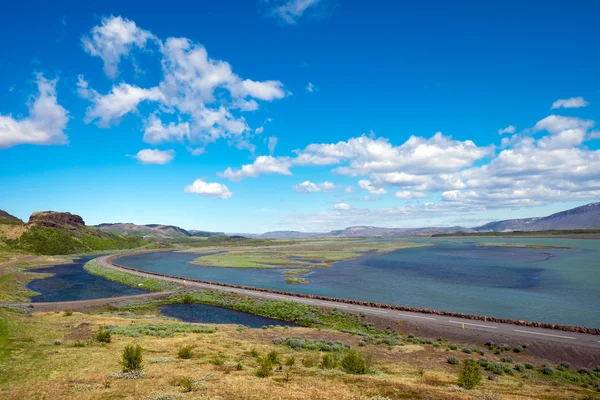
(271, 144)
(572, 102)
(113, 40)
(188, 89)
(212, 189)
(306, 187)
(259, 130)
(310, 187)
(152, 156)
(348, 189)
(290, 11)
(405, 194)
(565, 132)
(342, 206)
(107, 110)
(156, 132)
(310, 87)
(262, 165)
(45, 123)
(509, 129)
(365, 184)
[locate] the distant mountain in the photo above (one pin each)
(155, 231)
(358, 231)
(282, 235)
(8, 219)
(584, 217)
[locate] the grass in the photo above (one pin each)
(125, 278)
(296, 281)
(90, 372)
(318, 253)
(158, 329)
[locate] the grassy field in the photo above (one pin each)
(310, 253)
(15, 276)
(55, 356)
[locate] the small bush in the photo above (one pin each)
(57, 342)
(520, 367)
(547, 371)
(273, 358)
(506, 359)
(453, 361)
(218, 360)
(470, 375)
(265, 369)
(103, 336)
(68, 313)
(525, 345)
(529, 366)
(188, 299)
(79, 343)
(186, 352)
(453, 347)
(309, 362)
(132, 358)
(329, 361)
(354, 362)
(467, 350)
(565, 366)
(518, 349)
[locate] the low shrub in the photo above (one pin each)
(309, 362)
(308, 344)
(132, 358)
(529, 366)
(470, 375)
(565, 366)
(265, 369)
(453, 360)
(273, 358)
(355, 362)
(218, 360)
(329, 361)
(466, 350)
(68, 313)
(186, 352)
(518, 349)
(453, 347)
(506, 359)
(547, 371)
(103, 336)
(520, 367)
(159, 330)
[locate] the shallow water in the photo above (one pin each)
(71, 282)
(217, 315)
(549, 285)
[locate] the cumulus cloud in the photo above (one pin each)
(45, 123)
(190, 82)
(406, 194)
(262, 165)
(113, 40)
(152, 156)
(209, 189)
(509, 129)
(341, 206)
(310, 187)
(290, 11)
(572, 102)
(310, 87)
(366, 184)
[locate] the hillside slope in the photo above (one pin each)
(154, 231)
(51, 233)
(8, 219)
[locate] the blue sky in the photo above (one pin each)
(255, 115)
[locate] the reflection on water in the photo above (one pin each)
(71, 282)
(550, 285)
(217, 315)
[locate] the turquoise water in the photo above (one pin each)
(549, 285)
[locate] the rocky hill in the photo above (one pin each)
(155, 231)
(51, 232)
(8, 219)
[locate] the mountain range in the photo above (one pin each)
(155, 231)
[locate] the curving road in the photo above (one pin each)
(447, 323)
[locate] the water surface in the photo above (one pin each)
(217, 315)
(549, 285)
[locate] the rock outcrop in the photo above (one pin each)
(58, 220)
(6, 218)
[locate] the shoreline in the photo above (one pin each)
(562, 327)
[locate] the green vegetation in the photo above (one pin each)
(125, 278)
(354, 362)
(103, 336)
(160, 330)
(132, 358)
(470, 374)
(297, 343)
(296, 281)
(51, 241)
(186, 352)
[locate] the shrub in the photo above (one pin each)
(219, 360)
(309, 362)
(470, 375)
(289, 363)
(273, 358)
(308, 344)
(520, 367)
(529, 366)
(565, 366)
(453, 361)
(68, 313)
(506, 359)
(132, 358)
(354, 362)
(518, 349)
(547, 371)
(186, 352)
(525, 345)
(79, 343)
(467, 350)
(103, 336)
(453, 347)
(188, 299)
(329, 361)
(265, 369)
